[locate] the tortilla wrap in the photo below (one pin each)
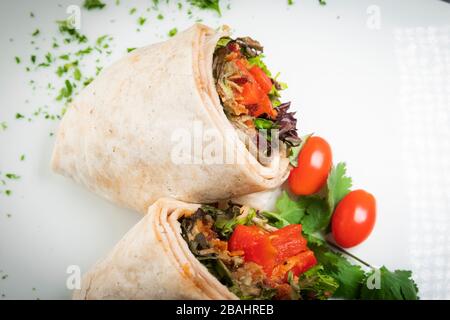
(153, 261)
(116, 136)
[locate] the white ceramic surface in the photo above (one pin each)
(377, 89)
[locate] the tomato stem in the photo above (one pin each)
(331, 244)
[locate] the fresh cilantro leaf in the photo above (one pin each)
(93, 4)
(316, 284)
(338, 184)
(348, 276)
(317, 215)
(397, 285)
(288, 212)
(207, 4)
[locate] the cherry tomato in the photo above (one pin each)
(354, 218)
(262, 79)
(314, 164)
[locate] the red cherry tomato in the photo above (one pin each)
(262, 79)
(354, 218)
(314, 164)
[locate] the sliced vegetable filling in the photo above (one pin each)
(253, 259)
(249, 94)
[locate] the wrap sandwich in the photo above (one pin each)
(196, 118)
(189, 251)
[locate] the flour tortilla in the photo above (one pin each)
(153, 261)
(116, 137)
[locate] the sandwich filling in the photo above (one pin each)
(253, 259)
(250, 95)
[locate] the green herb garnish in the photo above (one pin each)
(207, 4)
(141, 21)
(93, 4)
(12, 176)
(173, 32)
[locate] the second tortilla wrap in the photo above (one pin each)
(153, 261)
(116, 137)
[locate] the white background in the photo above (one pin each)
(348, 81)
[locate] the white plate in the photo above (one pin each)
(377, 89)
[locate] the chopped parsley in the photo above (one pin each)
(132, 10)
(77, 74)
(33, 59)
(17, 60)
(141, 21)
(35, 33)
(207, 4)
(130, 49)
(19, 116)
(12, 176)
(93, 4)
(22, 157)
(160, 17)
(173, 32)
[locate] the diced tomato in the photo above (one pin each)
(288, 241)
(244, 237)
(263, 253)
(304, 261)
(264, 106)
(256, 245)
(277, 252)
(242, 65)
(255, 90)
(251, 93)
(261, 78)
